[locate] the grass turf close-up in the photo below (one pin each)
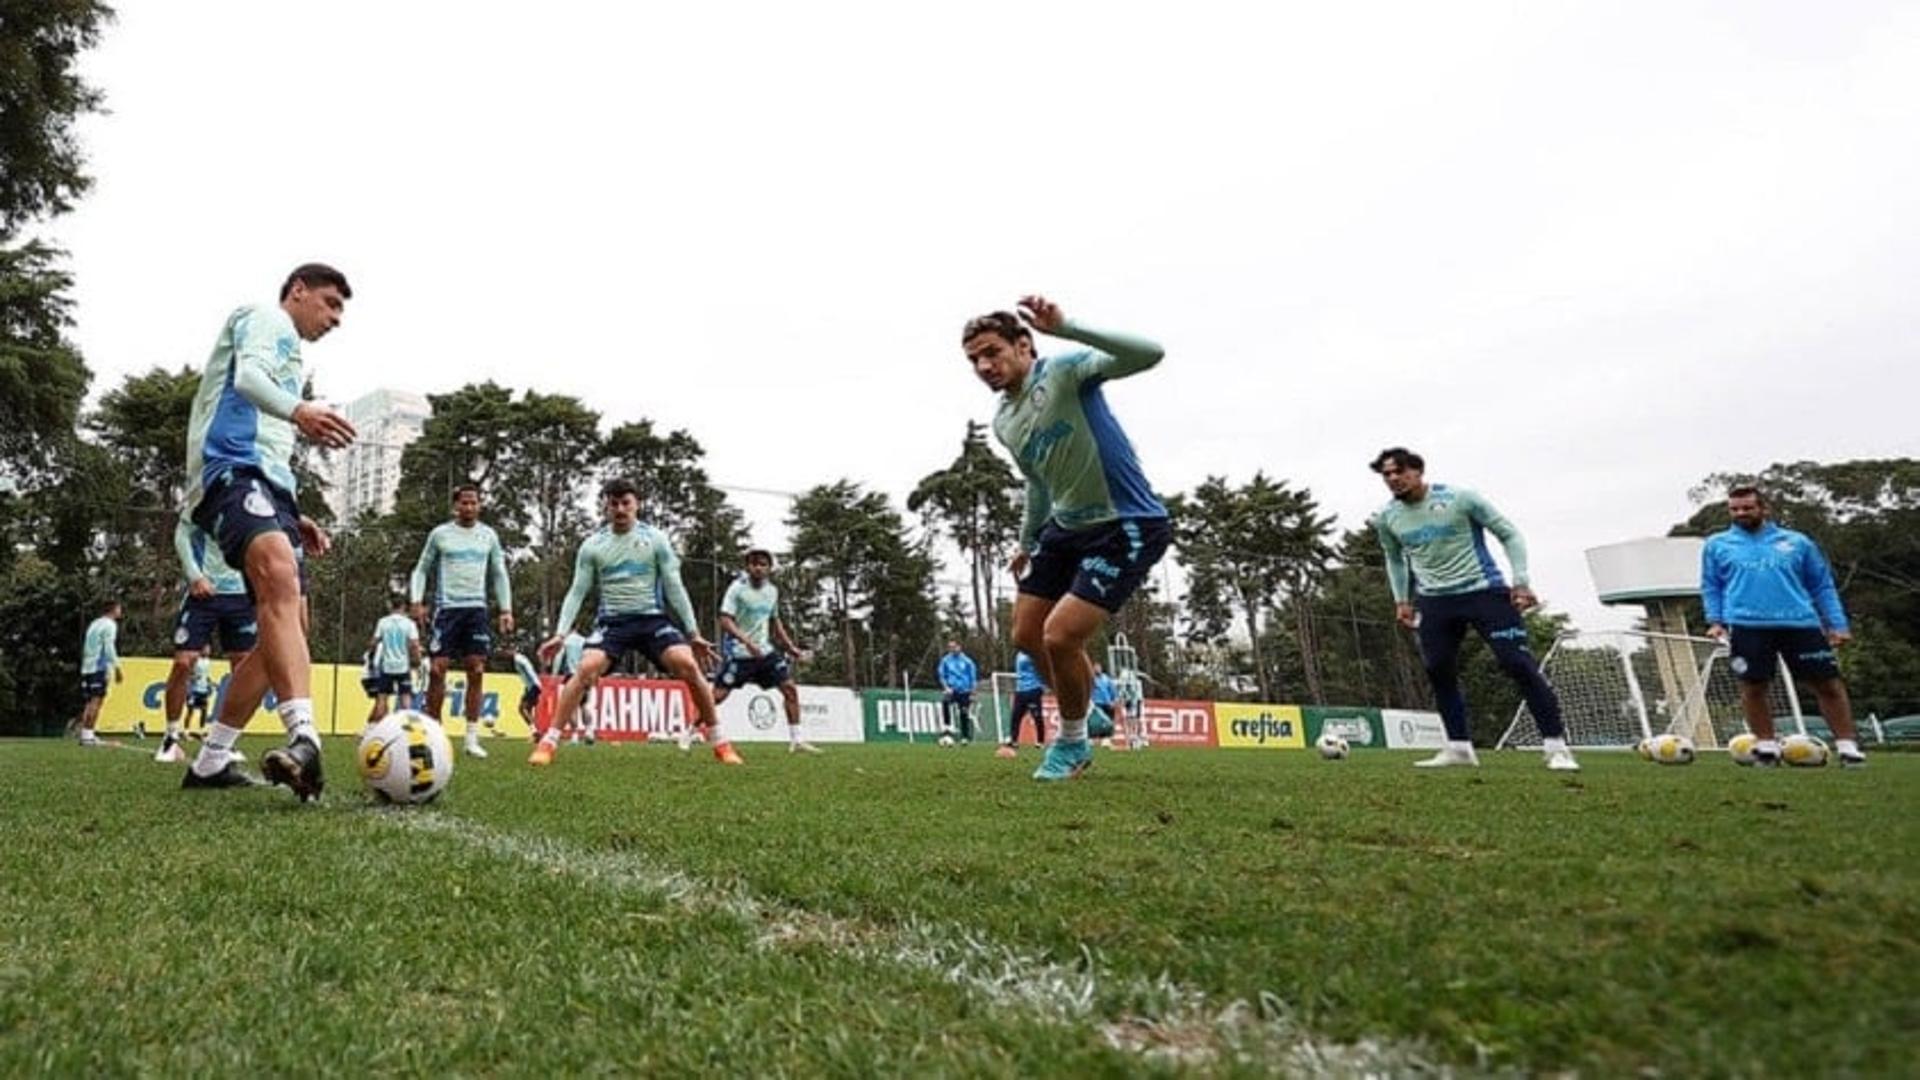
(903, 909)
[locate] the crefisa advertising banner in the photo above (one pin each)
(1259, 727)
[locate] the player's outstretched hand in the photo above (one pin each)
(201, 588)
(1523, 598)
(1406, 616)
(703, 652)
(506, 622)
(1717, 632)
(1042, 314)
(322, 425)
(1837, 638)
(548, 648)
(313, 537)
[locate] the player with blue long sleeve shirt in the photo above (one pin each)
(99, 657)
(1768, 592)
(1029, 696)
(958, 674)
(1446, 583)
(637, 574)
(1093, 527)
(464, 555)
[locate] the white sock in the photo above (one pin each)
(87, 736)
(1846, 746)
(793, 734)
(1767, 746)
(216, 750)
(1460, 746)
(1072, 730)
(296, 714)
(552, 737)
(473, 733)
(173, 729)
(1553, 746)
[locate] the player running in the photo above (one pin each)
(468, 554)
(1093, 526)
(749, 625)
(631, 565)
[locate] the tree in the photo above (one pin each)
(41, 165)
(42, 377)
(867, 574)
(548, 474)
(975, 500)
(471, 438)
(1248, 544)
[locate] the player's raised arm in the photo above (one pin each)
(577, 592)
(1118, 355)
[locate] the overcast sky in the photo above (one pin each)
(1578, 255)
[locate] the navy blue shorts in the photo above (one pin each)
(1807, 652)
(377, 685)
(461, 632)
(621, 634)
(1028, 701)
(245, 504)
(93, 686)
(198, 699)
(766, 671)
(1102, 564)
(231, 615)
(960, 699)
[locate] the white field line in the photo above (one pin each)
(1155, 1018)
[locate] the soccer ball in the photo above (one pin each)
(405, 758)
(1672, 749)
(1740, 747)
(1804, 751)
(1645, 749)
(1331, 746)
(945, 741)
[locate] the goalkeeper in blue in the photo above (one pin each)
(1093, 527)
(1446, 583)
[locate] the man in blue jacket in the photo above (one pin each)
(958, 674)
(1769, 592)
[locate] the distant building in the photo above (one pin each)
(366, 474)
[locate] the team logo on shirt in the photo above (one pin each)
(1784, 547)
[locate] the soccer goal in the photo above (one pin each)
(1618, 687)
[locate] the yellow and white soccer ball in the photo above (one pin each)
(944, 742)
(1331, 746)
(1671, 749)
(405, 758)
(1740, 747)
(1803, 751)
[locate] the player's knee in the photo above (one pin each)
(273, 571)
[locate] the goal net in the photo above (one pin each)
(1618, 687)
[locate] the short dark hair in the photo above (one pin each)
(1004, 323)
(317, 276)
(1401, 457)
(463, 487)
(617, 487)
(1739, 491)
(109, 605)
(396, 601)
(759, 553)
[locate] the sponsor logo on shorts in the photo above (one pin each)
(257, 503)
(1738, 665)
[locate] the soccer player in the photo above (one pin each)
(1100, 722)
(467, 553)
(749, 625)
(199, 695)
(216, 599)
(958, 675)
(529, 687)
(240, 436)
(395, 649)
(632, 565)
(566, 661)
(1029, 694)
(1132, 710)
(1439, 533)
(98, 656)
(1093, 526)
(1768, 592)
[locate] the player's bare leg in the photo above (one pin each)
(592, 663)
(681, 664)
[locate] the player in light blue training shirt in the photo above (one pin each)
(634, 568)
(750, 626)
(395, 646)
(216, 601)
(1093, 526)
(465, 556)
(98, 657)
(240, 479)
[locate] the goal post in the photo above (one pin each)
(1620, 686)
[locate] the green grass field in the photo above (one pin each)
(889, 910)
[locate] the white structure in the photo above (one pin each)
(366, 474)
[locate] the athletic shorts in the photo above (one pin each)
(1028, 701)
(766, 671)
(460, 632)
(198, 700)
(378, 685)
(1806, 649)
(93, 686)
(1102, 564)
(244, 504)
(620, 634)
(529, 698)
(960, 699)
(230, 614)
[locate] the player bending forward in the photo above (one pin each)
(631, 565)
